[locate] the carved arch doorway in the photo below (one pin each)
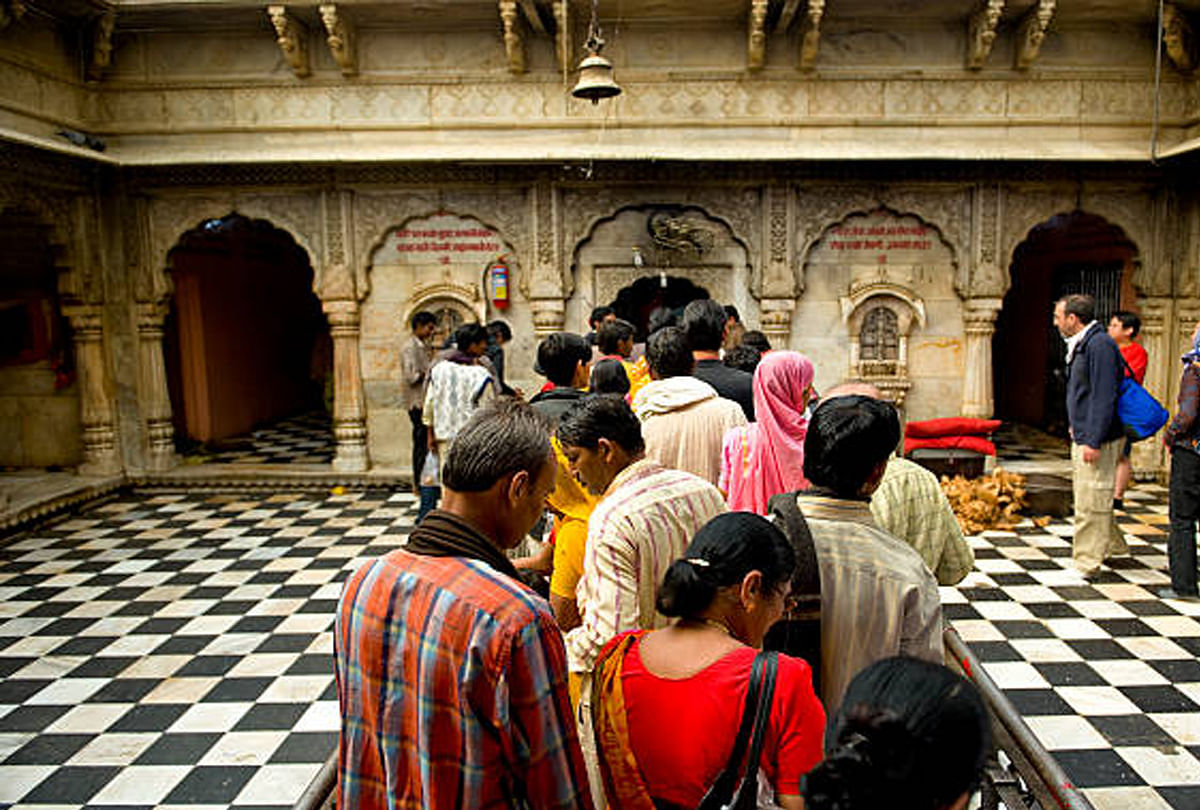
(247, 348)
(637, 247)
(1073, 252)
(40, 417)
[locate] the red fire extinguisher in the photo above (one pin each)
(498, 280)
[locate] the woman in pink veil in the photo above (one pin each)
(767, 457)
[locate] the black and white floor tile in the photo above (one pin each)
(304, 439)
(175, 650)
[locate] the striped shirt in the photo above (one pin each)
(878, 598)
(909, 504)
(644, 522)
(453, 689)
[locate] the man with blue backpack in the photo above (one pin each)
(1094, 374)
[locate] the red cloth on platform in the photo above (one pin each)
(976, 443)
(951, 426)
(682, 730)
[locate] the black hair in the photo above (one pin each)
(704, 323)
(609, 377)
(1079, 305)
(1129, 320)
(468, 335)
(910, 735)
(499, 331)
(847, 439)
(669, 354)
(501, 438)
(611, 333)
(559, 354)
(598, 315)
(743, 357)
(601, 416)
(731, 312)
(660, 318)
(729, 546)
(420, 319)
(756, 340)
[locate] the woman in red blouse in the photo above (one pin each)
(669, 702)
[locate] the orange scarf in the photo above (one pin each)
(622, 778)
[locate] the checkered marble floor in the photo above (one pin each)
(304, 439)
(1105, 673)
(175, 650)
(1021, 443)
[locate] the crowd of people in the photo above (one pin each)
(742, 581)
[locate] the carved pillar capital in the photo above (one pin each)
(979, 315)
(349, 402)
(775, 319)
(549, 316)
(87, 321)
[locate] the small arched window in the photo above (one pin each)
(880, 335)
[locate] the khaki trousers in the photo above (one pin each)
(1097, 536)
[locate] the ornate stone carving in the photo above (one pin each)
(102, 33)
(979, 323)
(810, 42)
(1023, 209)
(54, 209)
(775, 319)
(546, 278)
(1132, 210)
(981, 32)
(514, 48)
(292, 37)
(778, 278)
(349, 404)
(756, 48)
(987, 276)
(1032, 31)
(1178, 38)
(340, 38)
(549, 316)
(100, 456)
(153, 396)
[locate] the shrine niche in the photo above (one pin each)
(437, 263)
(668, 254)
(880, 306)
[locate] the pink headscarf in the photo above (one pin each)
(776, 446)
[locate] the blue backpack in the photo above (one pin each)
(1141, 414)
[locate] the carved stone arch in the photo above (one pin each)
(946, 210)
(739, 210)
(1024, 210)
(379, 235)
(861, 210)
(53, 211)
(297, 215)
(818, 210)
(1131, 210)
(1066, 212)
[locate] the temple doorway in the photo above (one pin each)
(1069, 253)
(247, 347)
(40, 422)
(636, 301)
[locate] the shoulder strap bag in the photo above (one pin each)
(1140, 413)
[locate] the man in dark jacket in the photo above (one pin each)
(704, 322)
(1094, 373)
(563, 358)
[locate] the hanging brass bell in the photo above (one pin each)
(595, 79)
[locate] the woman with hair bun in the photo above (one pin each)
(910, 735)
(668, 703)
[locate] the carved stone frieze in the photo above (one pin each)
(292, 37)
(1178, 38)
(1031, 32)
(987, 277)
(102, 45)
(810, 41)
(981, 32)
(756, 46)
(545, 277)
(778, 277)
(739, 208)
(340, 37)
(514, 47)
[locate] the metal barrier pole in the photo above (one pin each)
(320, 791)
(1051, 775)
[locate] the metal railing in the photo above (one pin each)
(1031, 780)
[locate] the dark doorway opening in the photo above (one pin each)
(40, 421)
(635, 302)
(1070, 253)
(247, 346)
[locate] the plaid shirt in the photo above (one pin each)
(1184, 429)
(453, 689)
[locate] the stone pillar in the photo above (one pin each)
(979, 322)
(349, 407)
(152, 385)
(776, 320)
(100, 454)
(1149, 456)
(549, 316)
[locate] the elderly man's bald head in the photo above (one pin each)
(851, 388)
